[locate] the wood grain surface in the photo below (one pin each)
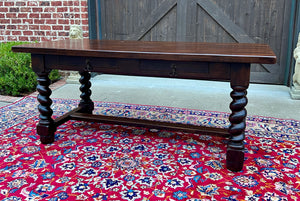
(179, 51)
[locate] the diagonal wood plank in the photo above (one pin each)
(236, 32)
(181, 20)
(223, 20)
(155, 16)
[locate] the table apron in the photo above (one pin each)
(141, 67)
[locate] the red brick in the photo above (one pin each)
(83, 3)
(50, 9)
(9, 3)
(84, 22)
(78, 21)
(63, 21)
(74, 9)
(34, 15)
(16, 21)
(45, 15)
(51, 21)
(22, 15)
(4, 21)
(36, 10)
(39, 33)
(63, 33)
(2, 38)
(16, 32)
(28, 21)
(14, 9)
(27, 33)
(22, 27)
(44, 3)
(57, 27)
(84, 15)
(23, 38)
(68, 15)
(11, 38)
(45, 27)
(46, 39)
(84, 9)
(85, 35)
(68, 3)
(34, 27)
(11, 15)
(4, 10)
(62, 9)
(56, 3)
(39, 21)
(32, 3)
(7, 32)
(34, 38)
(44, 19)
(11, 27)
(51, 33)
(20, 3)
(25, 9)
(85, 28)
(77, 16)
(57, 15)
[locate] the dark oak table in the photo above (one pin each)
(211, 61)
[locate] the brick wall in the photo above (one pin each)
(40, 20)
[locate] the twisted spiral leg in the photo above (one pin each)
(86, 104)
(45, 127)
(235, 148)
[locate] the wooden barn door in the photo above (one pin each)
(234, 21)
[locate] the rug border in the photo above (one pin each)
(19, 100)
(169, 107)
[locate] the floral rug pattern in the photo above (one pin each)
(94, 161)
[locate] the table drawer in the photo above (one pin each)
(191, 70)
(155, 68)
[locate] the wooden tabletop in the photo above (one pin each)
(177, 51)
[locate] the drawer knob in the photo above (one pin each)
(88, 65)
(174, 71)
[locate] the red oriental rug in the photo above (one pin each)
(93, 161)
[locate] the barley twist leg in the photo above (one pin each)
(45, 127)
(86, 104)
(235, 148)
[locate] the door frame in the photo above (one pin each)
(94, 17)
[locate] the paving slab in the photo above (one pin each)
(264, 100)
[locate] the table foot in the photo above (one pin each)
(46, 133)
(234, 160)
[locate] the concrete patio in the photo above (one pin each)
(264, 100)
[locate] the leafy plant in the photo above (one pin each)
(16, 75)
